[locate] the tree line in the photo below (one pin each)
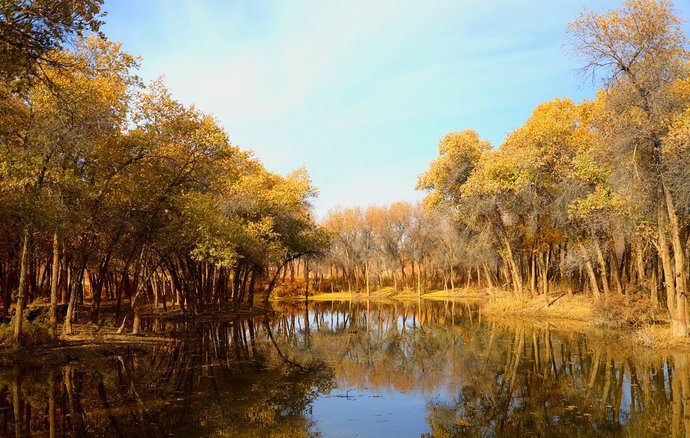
(403, 246)
(589, 197)
(111, 186)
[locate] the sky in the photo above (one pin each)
(358, 92)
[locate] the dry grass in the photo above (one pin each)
(389, 292)
(561, 306)
(631, 317)
(34, 332)
(617, 311)
(335, 296)
(458, 293)
(88, 342)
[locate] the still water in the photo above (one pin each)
(370, 369)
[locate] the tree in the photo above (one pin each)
(52, 142)
(639, 53)
(33, 32)
(459, 153)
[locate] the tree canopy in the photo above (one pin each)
(113, 186)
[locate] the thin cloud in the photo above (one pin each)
(360, 92)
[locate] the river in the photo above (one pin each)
(369, 369)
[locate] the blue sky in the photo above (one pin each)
(360, 91)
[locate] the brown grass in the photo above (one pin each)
(627, 311)
(388, 292)
(459, 293)
(632, 317)
(561, 306)
(328, 296)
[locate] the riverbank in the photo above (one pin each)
(645, 325)
(87, 343)
(641, 322)
(635, 320)
(91, 341)
(388, 293)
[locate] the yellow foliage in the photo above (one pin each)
(458, 154)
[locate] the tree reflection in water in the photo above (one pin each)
(217, 377)
(263, 377)
(497, 378)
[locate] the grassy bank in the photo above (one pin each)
(632, 315)
(387, 292)
(617, 311)
(641, 322)
(88, 342)
(561, 306)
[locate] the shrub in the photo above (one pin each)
(625, 310)
(289, 290)
(36, 332)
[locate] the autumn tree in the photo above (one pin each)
(639, 54)
(109, 186)
(33, 32)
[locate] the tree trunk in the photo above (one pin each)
(514, 271)
(639, 261)
(533, 274)
(543, 270)
(271, 285)
(135, 295)
(602, 267)
(54, 286)
(681, 317)
(77, 284)
(419, 279)
(21, 292)
(590, 272)
(615, 273)
(452, 278)
(306, 285)
(252, 282)
(669, 277)
(366, 273)
(654, 289)
(487, 274)
(97, 288)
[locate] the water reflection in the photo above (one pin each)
(217, 377)
(497, 378)
(340, 368)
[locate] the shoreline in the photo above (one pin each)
(568, 312)
(565, 312)
(386, 294)
(102, 342)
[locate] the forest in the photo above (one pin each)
(585, 198)
(112, 191)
